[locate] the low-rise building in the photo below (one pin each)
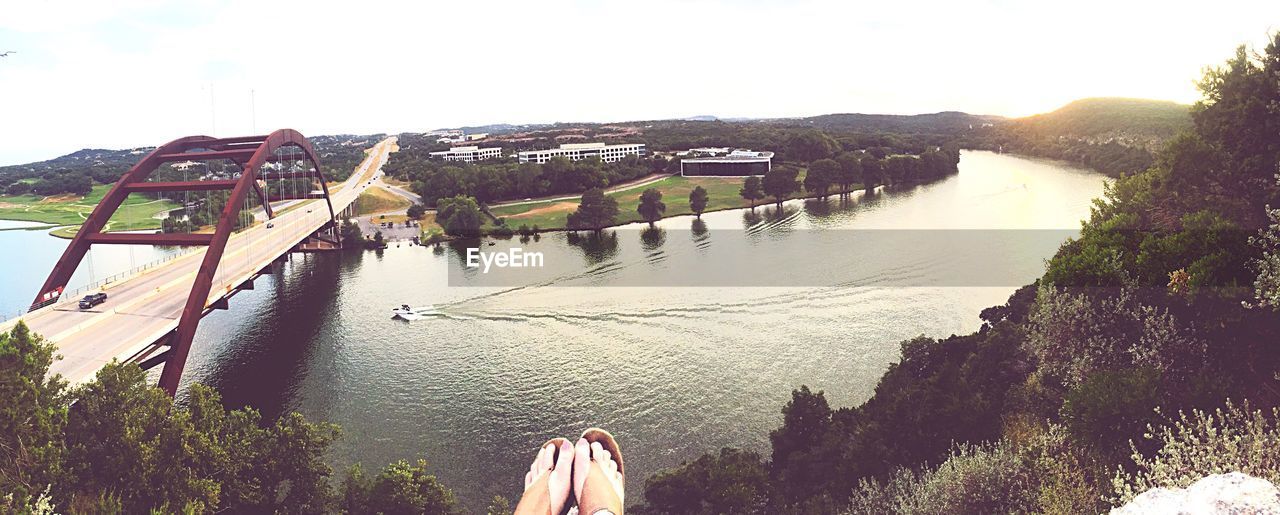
(472, 153)
(576, 151)
(737, 163)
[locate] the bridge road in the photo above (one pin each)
(144, 307)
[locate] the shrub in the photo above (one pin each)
(1231, 439)
(1075, 334)
(733, 481)
(1047, 475)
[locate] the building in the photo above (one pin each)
(576, 151)
(738, 163)
(706, 152)
(468, 154)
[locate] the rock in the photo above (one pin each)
(1233, 493)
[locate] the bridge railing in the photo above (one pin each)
(116, 277)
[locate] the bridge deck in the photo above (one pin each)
(142, 309)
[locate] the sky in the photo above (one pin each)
(130, 73)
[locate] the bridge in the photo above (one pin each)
(151, 315)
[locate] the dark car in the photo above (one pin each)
(92, 300)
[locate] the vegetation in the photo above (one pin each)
(698, 200)
(1165, 303)
(780, 183)
(377, 200)
(459, 216)
(501, 179)
(118, 445)
(352, 236)
(136, 212)
(752, 190)
(651, 206)
(822, 174)
(596, 211)
(1115, 136)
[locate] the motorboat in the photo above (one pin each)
(405, 312)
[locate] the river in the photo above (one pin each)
(673, 371)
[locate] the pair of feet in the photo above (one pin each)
(588, 472)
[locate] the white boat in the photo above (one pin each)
(407, 313)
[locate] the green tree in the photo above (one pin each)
(651, 206)
(821, 175)
(126, 438)
(352, 237)
(811, 145)
(872, 172)
(850, 171)
(416, 211)
(595, 212)
(752, 190)
(459, 216)
(698, 200)
(32, 417)
(405, 488)
(780, 183)
(733, 481)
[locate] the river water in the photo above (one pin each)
(673, 371)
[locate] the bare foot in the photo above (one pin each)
(547, 484)
(597, 478)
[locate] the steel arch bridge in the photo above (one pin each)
(260, 160)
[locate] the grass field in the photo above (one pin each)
(377, 200)
(137, 212)
(722, 193)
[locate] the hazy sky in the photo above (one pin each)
(124, 73)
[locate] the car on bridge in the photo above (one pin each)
(92, 300)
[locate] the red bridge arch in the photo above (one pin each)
(250, 153)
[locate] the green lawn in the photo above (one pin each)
(135, 213)
(722, 193)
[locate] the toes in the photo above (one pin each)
(544, 458)
(565, 460)
(581, 465)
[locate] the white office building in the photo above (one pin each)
(576, 151)
(468, 154)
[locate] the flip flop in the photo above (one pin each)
(597, 435)
(558, 441)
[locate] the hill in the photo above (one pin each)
(1130, 120)
(943, 122)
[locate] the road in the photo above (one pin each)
(144, 307)
(370, 226)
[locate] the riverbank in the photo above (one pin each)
(722, 194)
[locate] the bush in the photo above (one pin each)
(1075, 334)
(1045, 475)
(1231, 439)
(1112, 407)
(733, 481)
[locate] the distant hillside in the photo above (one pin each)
(1115, 136)
(339, 155)
(1129, 120)
(946, 121)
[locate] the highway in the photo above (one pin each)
(143, 308)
